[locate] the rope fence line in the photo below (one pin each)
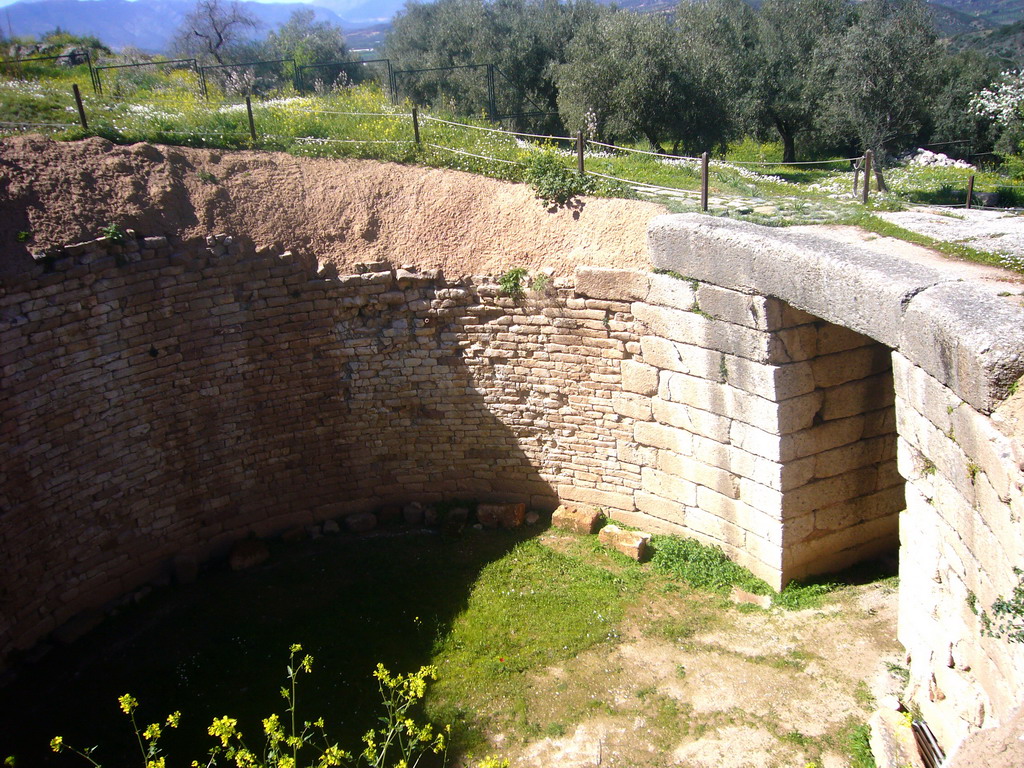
(662, 155)
(497, 130)
(403, 115)
(316, 140)
(644, 184)
(472, 154)
(796, 162)
(864, 163)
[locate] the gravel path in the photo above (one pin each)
(1000, 232)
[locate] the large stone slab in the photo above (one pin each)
(963, 334)
(614, 284)
(968, 338)
(847, 285)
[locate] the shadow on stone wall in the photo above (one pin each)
(163, 403)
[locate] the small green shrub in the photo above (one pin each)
(859, 747)
(24, 236)
(114, 233)
(552, 181)
(511, 283)
(797, 596)
(1007, 618)
(702, 567)
(540, 283)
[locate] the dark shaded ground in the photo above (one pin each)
(220, 646)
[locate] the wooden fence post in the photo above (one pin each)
(579, 153)
(970, 190)
(252, 123)
(867, 175)
(704, 181)
(81, 108)
(416, 125)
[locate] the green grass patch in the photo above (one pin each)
(702, 567)
(530, 609)
(859, 748)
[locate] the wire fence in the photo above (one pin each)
(862, 165)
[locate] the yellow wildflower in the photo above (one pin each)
(128, 703)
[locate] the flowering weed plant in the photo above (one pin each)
(399, 742)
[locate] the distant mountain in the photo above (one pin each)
(1005, 43)
(149, 24)
(995, 12)
(950, 22)
(990, 25)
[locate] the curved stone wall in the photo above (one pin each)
(779, 395)
(164, 400)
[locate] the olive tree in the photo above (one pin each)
(629, 75)
(213, 28)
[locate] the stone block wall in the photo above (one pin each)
(758, 427)
(164, 399)
(961, 536)
(957, 349)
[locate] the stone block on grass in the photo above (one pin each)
(633, 544)
(501, 515)
(389, 514)
(413, 513)
(248, 554)
(361, 522)
(584, 520)
(742, 596)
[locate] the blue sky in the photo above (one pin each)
(10, 2)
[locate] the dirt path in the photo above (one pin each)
(700, 683)
(342, 211)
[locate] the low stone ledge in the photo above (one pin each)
(633, 544)
(892, 741)
(585, 520)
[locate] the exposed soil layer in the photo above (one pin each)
(341, 211)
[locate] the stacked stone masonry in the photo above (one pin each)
(774, 395)
(165, 400)
(957, 351)
(757, 428)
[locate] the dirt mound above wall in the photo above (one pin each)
(343, 211)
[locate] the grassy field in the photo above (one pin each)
(748, 183)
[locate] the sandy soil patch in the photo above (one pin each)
(340, 211)
(699, 683)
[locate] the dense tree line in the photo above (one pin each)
(818, 76)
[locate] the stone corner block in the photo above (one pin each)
(361, 522)
(843, 283)
(586, 520)
(611, 284)
(248, 553)
(633, 544)
(968, 338)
